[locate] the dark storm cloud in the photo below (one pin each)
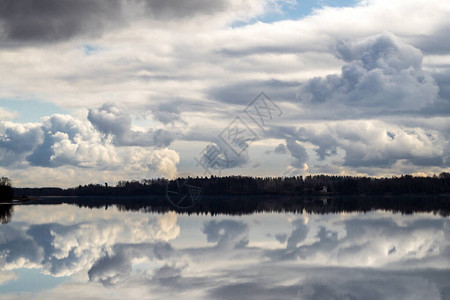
(52, 20)
(115, 121)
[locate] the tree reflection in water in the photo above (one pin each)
(6, 213)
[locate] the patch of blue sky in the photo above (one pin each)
(29, 111)
(90, 49)
(31, 280)
(295, 10)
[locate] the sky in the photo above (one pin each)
(102, 91)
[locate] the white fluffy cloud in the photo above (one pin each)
(192, 67)
(115, 121)
(374, 143)
(381, 75)
(62, 141)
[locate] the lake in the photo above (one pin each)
(70, 252)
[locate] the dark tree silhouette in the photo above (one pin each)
(6, 196)
(6, 190)
(242, 185)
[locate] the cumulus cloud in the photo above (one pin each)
(115, 121)
(375, 143)
(381, 74)
(68, 141)
(62, 141)
(17, 140)
(160, 54)
(164, 161)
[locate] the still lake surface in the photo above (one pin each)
(70, 252)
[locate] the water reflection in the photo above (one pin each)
(105, 253)
(6, 212)
(241, 205)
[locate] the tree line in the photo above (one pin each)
(6, 190)
(245, 185)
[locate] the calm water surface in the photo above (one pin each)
(67, 252)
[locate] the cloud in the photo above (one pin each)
(298, 234)
(366, 243)
(5, 114)
(167, 113)
(34, 20)
(281, 237)
(63, 250)
(334, 283)
(6, 277)
(177, 9)
(330, 256)
(18, 250)
(375, 143)
(113, 269)
(226, 233)
(25, 21)
(17, 140)
(382, 74)
(62, 141)
(115, 121)
(280, 149)
(219, 156)
(160, 55)
(68, 141)
(298, 153)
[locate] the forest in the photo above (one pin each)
(238, 195)
(244, 185)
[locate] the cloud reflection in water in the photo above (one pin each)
(376, 255)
